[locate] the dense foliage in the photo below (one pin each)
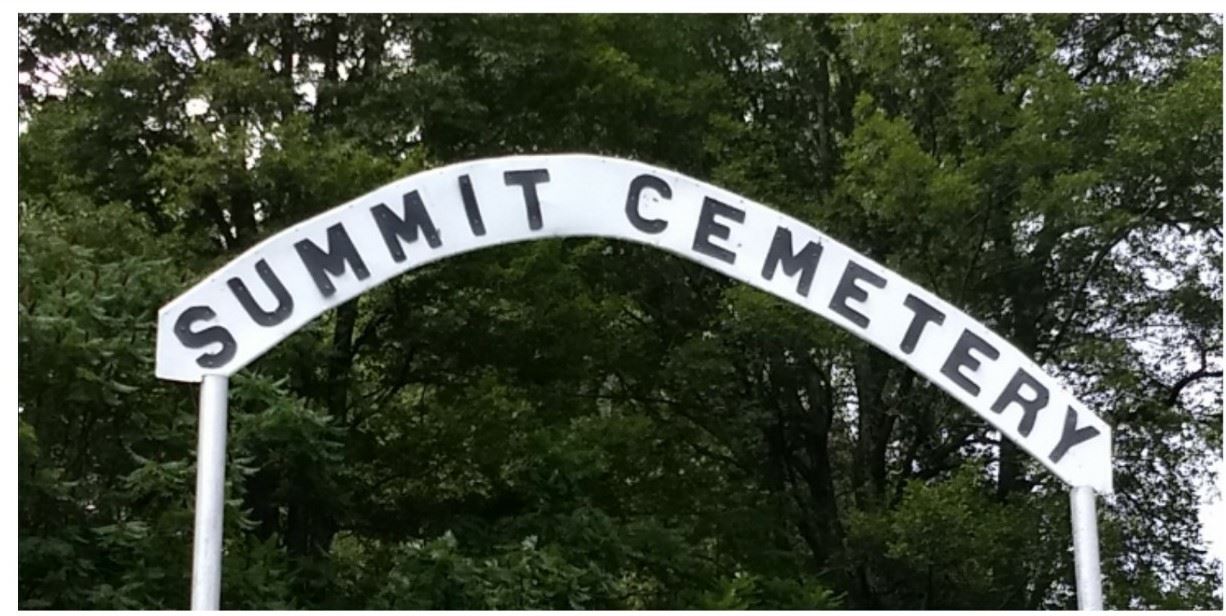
(591, 424)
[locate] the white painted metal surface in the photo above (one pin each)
(239, 312)
(210, 493)
(484, 203)
(1085, 549)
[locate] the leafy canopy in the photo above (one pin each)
(589, 424)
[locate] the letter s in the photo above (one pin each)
(205, 337)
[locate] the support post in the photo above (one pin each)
(210, 492)
(1085, 549)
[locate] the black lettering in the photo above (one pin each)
(924, 314)
(1071, 436)
(1012, 394)
(527, 179)
(340, 253)
(961, 357)
(394, 228)
(285, 303)
(707, 227)
(646, 225)
(803, 262)
(848, 289)
(470, 206)
(209, 335)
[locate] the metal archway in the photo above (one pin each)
(243, 309)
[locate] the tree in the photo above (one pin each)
(584, 423)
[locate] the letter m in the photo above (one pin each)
(396, 228)
(803, 263)
(339, 254)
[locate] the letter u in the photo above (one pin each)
(285, 302)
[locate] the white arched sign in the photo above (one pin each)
(240, 311)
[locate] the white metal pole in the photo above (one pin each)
(210, 493)
(1085, 549)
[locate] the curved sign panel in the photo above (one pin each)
(255, 301)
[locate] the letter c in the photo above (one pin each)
(646, 225)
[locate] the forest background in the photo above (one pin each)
(589, 424)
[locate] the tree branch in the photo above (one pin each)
(1187, 380)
